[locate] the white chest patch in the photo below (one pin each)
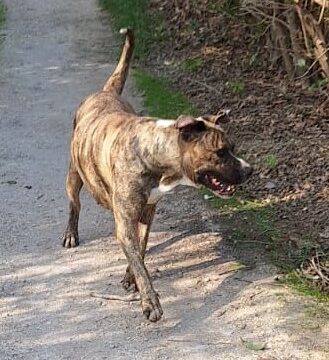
(157, 193)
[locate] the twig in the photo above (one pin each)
(209, 87)
(313, 64)
(202, 342)
(254, 10)
(128, 298)
(302, 23)
(322, 11)
(319, 42)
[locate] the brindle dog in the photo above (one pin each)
(127, 162)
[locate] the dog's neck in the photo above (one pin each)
(164, 150)
(165, 161)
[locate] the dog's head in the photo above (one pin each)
(208, 155)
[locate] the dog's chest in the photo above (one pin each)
(157, 192)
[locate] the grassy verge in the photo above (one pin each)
(149, 29)
(249, 224)
(2, 13)
(159, 99)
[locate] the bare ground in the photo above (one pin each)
(55, 53)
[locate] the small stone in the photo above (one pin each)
(325, 233)
(168, 62)
(270, 185)
(207, 197)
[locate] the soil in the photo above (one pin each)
(281, 126)
(54, 53)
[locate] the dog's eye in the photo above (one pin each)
(221, 152)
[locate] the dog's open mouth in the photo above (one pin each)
(212, 182)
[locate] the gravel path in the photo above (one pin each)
(56, 52)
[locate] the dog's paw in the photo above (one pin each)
(152, 308)
(129, 282)
(70, 239)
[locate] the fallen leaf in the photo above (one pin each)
(253, 345)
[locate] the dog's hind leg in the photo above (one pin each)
(144, 226)
(73, 187)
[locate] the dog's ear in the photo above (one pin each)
(221, 117)
(189, 127)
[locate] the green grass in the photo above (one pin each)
(149, 29)
(302, 286)
(318, 85)
(271, 161)
(249, 225)
(2, 13)
(159, 99)
(253, 216)
(236, 87)
(237, 203)
(192, 64)
(229, 8)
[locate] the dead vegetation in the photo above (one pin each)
(316, 270)
(267, 61)
(295, 32)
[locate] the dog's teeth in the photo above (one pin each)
(215, 181)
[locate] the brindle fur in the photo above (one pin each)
(120, 157)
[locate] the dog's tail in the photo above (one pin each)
(117, 80)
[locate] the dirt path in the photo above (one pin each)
(56, 52)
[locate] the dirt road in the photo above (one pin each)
(55, 52)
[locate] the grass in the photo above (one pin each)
(249, 226)
(252, 217)
(148, 29)
(230, 8)
(192, 64)
(159, 99)
(318, 85)
(302, 286)
(2, 13)
(271, 161)
(236, 87)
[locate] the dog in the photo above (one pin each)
(128, 162)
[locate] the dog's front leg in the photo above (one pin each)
(73, 187)
(126, 221)
(144, 226)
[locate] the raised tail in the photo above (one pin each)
(117, 80)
